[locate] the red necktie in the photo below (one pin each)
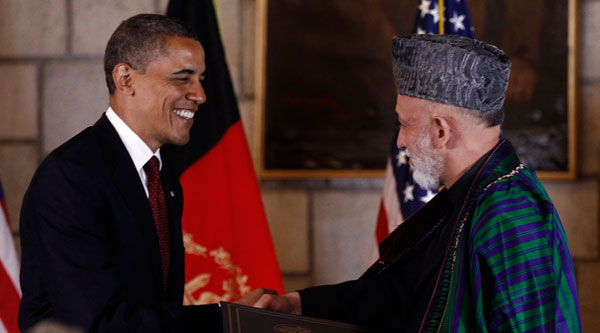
(158, 205)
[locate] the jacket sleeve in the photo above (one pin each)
(521, 271)
(374, 302)
(69, 267)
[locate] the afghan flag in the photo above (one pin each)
(228, 246)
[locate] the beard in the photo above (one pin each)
(427, 165)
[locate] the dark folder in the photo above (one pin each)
(246, 319)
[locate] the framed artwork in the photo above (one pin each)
(326, 94)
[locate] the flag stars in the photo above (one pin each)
(424, 7)
(435, 13)
(457, 21)
(430, 194)
(408, 192)
(402, 157)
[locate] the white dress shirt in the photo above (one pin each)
(138, 150)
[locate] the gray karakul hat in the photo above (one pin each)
(452, 70)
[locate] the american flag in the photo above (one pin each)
(401, 195)
(10, 291)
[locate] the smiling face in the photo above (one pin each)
(167, 93)
(414, 134)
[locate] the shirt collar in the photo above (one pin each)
(136, 147)
(458, 192)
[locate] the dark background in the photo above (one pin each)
(330, 91)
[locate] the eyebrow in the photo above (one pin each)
(184, 71)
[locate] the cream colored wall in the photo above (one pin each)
(51, 79)
(52, 86)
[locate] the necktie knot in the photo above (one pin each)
(152, 168)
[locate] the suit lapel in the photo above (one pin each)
(127, 181)
(174, 199)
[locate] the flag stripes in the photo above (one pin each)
(10, 291)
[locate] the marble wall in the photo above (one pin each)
(52, 87)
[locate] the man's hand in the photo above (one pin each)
(288, 303)
(252, 297)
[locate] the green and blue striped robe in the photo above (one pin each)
(508, 266)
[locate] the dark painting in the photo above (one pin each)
(330, 94)
(534, 34)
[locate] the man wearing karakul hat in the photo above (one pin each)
(488, 253)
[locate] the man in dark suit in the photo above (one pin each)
(101, 239)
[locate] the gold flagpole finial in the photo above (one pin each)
(441, 12)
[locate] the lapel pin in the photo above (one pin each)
(172, 194)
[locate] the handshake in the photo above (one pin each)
(268, 299)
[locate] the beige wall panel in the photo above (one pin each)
(247, 116)
(287, 212)
(94, 21)
(293, 283)
(248, 47)
(589, 135)
(343, 234)
(590, 34)
(17, 240)
(18, 162)
(18, 101)
(588, 275)
(33, 28)
(75, 95)
(230, 26)
(162, 6)
(577, 205)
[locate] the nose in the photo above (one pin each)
(400, 139)
(196, 93)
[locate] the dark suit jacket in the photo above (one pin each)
(90, 254)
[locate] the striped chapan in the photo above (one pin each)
(509, 266)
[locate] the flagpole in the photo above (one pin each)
(441, 11)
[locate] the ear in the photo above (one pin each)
(442, 132)
(122, 78)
